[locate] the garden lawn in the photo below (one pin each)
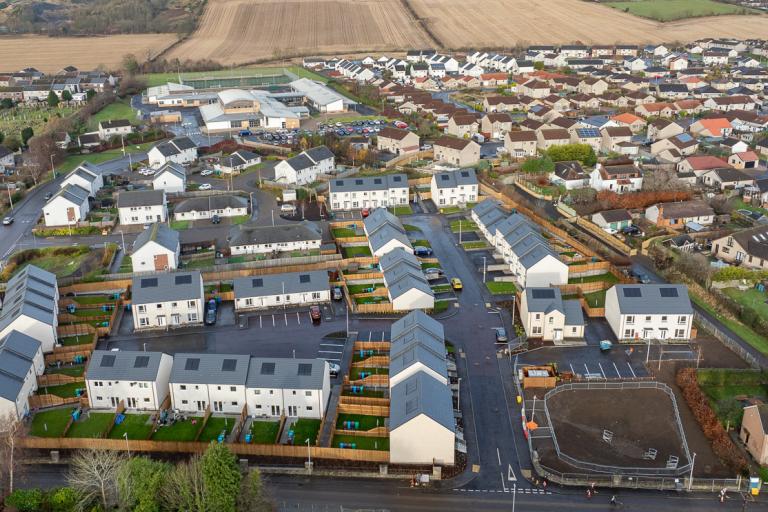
(179, 431)
(180, 224)
(354, 373)
(501, 287)
(356, 251)
(722, 386)
(363, 443)
(365, 422)
(200, 263)
(475, 244)
(750, 298)
(403, 210)
(126, 265)
(425, 266)
(440, 306)
(76, 340)
(214, 427)
(72, 371)
(239, 219)
(62, 265)
(264, 432)
(95, 425)
(343, 232)
(63, 390)
(410, 227)
(421, 243)
(607, 278)
(466, 225)
(94, 299)
(442, 288)
(304, 429)
(137, 426)
(120, 109)
(596, 299)
(73, 161)
(55, 420)
(753, 338)
(354, 289)
(377, 299)
(670, 10)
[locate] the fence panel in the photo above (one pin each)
(366, 410)
(729, 342)
(57, 379)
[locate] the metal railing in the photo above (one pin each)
(618, 470)
(728, 340)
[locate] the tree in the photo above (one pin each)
(94, 474)
(567, 152)
(2, 137)
(543, 165)
(66, 95)
(63, 499)
(11, 428)
(25, 500)
(538, 65)
(221, 478)
(53, 99)
(130, 85)
(26, 134)
(183, 488)
(43, 149)
(89, 94)
(6, 103)
(13, 143)
(130, 64)
(252, 497)
(138, 483)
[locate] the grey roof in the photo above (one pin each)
(172, 168)
(275, 284)
(309, 158)
(115, 123)
(386, 234)
(319, 153)
(379, 218)
(257, 235)
(543, 300)
(535, 255)
(240, 157)
(183, 143)
(573, 313)
(300, 161)
(402, 273)
(413, 321)
(159, 233)
(72, 193)
(417, 353)
(225, 369)
(17, 353)
(453, 179)
(133, 198)
(285, 373)
(167, 287)
(615, 215)
(421, 394)
(358, 184)
(32, 292)
(653, 299)
(133, 365)
(209, 203)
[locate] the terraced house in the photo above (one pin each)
(368, 192)
(451, 188)
(288, 288)
(165, 301)
(138, 380)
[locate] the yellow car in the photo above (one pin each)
(456, 283)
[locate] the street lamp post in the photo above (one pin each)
(309, 456)
(458, 400)
(484, 267)
(122, 237)
(127, 446)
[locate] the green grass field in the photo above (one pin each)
(442, 288)
(214, 427)
(64, 390)
(162, 78)
(362, 443)
(403, 210)
(73, 161)
(118, 110)
(670, 10)
(179, 431)
(93, 299)
(421, 243)
(463, 225)
(501, 287)
(441, 306)
(354, 289)
(76, 340)
(137, 426)
(264, 432)
(62, 265)
(304, 429)
(356, 251)
(50, 423)
(751, 298)
(94, 426)
(475, 244)
(755, 339)
(356, 373)
(13, 120)
(722, 386)
(607, 278)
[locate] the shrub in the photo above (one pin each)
(25, 500)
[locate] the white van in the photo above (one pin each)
(287, 208)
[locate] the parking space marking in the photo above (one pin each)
(330, 352)
(259, 321)
(572, 370)
(617, 369)
(286, 319)
(298, 319)
(273, 320)
(633, 371)
(601, 369)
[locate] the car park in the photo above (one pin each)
(205, 186)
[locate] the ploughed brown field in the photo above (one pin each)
(238, 31)
(50, 54)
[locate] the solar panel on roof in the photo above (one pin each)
(228, 365)
(141, 362)
(397, 178)
(588, 132)
(543, 294)
(358, 182)
(304, 278)
(684, 137)
(668, 292)
(339, 183)
(304, 369)
(150, 282)
(192, 364)
(464, 174)
(632, 292)
(257, 283)
(444, 177)
(108, 361)
(377, 181)
(267, 368)
(187, 279)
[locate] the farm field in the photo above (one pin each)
(50, 54)
(235, 31)
(495, 23)
(671, 10)
(162, 78)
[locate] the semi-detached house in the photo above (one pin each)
(460, 152)
(303, 236)
(180, 150)
(396, 141)
(407, 287)
(285, 289)
(167, 300)
(200, 381)
(85, 176)
(137, 379)
(141, 206)
(368, 192)
(748, 248)
(305, 167)
(649, 311)
(546, 315)
(385, 232)
(450, 188)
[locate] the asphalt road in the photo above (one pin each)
(26, 215)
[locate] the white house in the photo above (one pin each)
(649, 311)
(141, 206)
(238, 161)
(530, 258)
(180, 150)
(167, 300)
(67, 207)
(114, 128)
(305, 167)
(171, 177)
(407, 286)
(385, 232)
(368, 192)
(450, 188)
(156, 248)
(138, 379)
(616, 178)
(200, 381)
(205, 207)
(546, 315)
(285, 289)
(288, 386)
(7, 159)
(21, 361)
(303, 236)
(486, 215)
(85, 176)
(31, 306)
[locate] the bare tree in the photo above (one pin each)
(11, 428)
(662, 179)
(94, 474)
(183, 489)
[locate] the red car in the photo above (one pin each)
(365, 212)
(314, 313)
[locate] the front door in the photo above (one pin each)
(175, 319)
(275, 410)
(647, 333)
(292, 410)
(161, 320)
(217, 406)
(161, 262)
(558, 334)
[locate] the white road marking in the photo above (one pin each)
(259, 321)
(298, 319)
(502, 482)
(329, 352)
(572, 370)
(498, 455)
(332, 345)
(586, 368)
(633, 371)
(617, 370)
(511, 474)
(285, 315)
(601, 369)
(273, 320)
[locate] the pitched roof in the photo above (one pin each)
(210, 203)
(276, 284)
(207, 368)
(453, 142)
(418, 395)
(257, 235)
(543, 300)
(653, 299)
(159, 233)
(124, 365)
(133, 198)
(167, 287)
(368, 183)
(286, 373)
(453, 179)
(390, 132)
(172, 168)
(704, 162)
(617, 215)
(754, 241)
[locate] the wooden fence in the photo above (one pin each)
(119, 410)
(371, 345)
(368, 276)
(374, 432)
(375, 308)
(206, 416)
(366, 410)
(364, 400)
(47, 400)
(57, 379)
(351, 240)
(376, 381)
(592, 312)
(64, 331)
(372, 362)
(237, 430)
(68, 357)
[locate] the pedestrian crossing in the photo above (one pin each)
(507, 491)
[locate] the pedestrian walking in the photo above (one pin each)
(589, 494)
(544, 483)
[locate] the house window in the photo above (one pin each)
(159, 306)
(536, 329)
(682, 320)
(679, 333)
(232, 388)
(234, 404)
(185, 402)
(538, 316)
(315, 295)
(664, 319)
(307, 393)
(141, 308)
(258, 406)
(551, 320)
(256, 391)
(648, 318)
(629, 333)
(183, 387)
(271, 391)
(192, 317)
(99, 398)
(309, 407)
(249, 302)
(143, 321)
(630, 320)
(146, 399)
(218, 388)
(191, 303)
(729, 243)
(293, 392)
(174, 305)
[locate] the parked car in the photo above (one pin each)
(206, 172)
(337, 294)
(422, 251)
(210, 312)
(433, 271)
(640, 276)
(456, 283)
(501, 335)
(48, 196)
(205, 186)
(7, 221)
(315, 314)
(334, 369)
(288, 208)
(215, 219)
(365, 212)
